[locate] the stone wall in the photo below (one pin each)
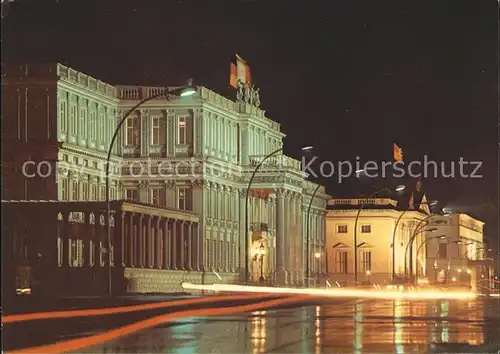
(143, 280)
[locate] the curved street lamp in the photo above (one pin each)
(184, 91)
(415, 234)
(398, 189)
(432, 203)
(308, 221)
(440, 237)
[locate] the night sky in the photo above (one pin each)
(349, 77)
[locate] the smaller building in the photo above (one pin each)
(384, 228)
(458, 253)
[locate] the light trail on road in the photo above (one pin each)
(124, 309)
(80, 343)
(337, 292)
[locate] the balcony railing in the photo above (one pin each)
(140, 92)
(275, 162)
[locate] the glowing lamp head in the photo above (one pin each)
(400, 188)
(187, 91)
(317, 255)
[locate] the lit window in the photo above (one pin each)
(93, 190)
(74, 195)
(101, 128)
(83, 122)
(341, 262)
(443, 250)
(65, 189)
(63, 116)
(155, 196)
(155, 130)
(182, 130)
(72, 119)
(184, 199)
(366, 229)
(92, 126)
(131, 194)
(132, 134)
(341, 229)
(85, 191)
(366, 261)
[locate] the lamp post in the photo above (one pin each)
(308, 227)
(308, 221)
(317, 256)
(432, 203)
(410, 242)
(440, 237)
(355, 246)
(246, 206)
(187, 90)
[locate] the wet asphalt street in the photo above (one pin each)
(330, 326)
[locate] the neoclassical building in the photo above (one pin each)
(194, 154)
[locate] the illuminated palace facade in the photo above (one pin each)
(376, 227)
(194, 154)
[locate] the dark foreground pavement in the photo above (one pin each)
(331, 326)
(322, 326)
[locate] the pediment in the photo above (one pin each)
(340, 245)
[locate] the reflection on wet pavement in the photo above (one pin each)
(360, 326)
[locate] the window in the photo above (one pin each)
(341, 262)
(102, 193)
(92, 126)
(93, 190)
(366, 229)
(101, 128)
(342, 229)
(366, 261)
(74, 194)
(443, 250)
(155, 196)
(182, 130)
(63, 117)
(184, 199)
(65, 189)
(85, 191)
(83, 122)
(72, 119)
(132, 136)
(155, 131)
(131, 194)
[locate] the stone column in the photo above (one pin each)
(140, 240)
(166, 244)
(299, 243)
(132, 240)
(146, 240)
(97, 240)
(281, 275)
(87, 258)
(189, 246)
(158, 243)
(182, 248)
(289, 237)
(118, 239)
(241, 243)
(173, 243)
